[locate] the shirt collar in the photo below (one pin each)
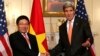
(72, 20)
(24, 34)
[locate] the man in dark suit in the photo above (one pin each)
(22, 42)
(75, 35)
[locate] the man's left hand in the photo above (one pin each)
(86, 44)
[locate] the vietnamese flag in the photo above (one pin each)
(37, 26)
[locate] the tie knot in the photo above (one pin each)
(24, 34)
(69, 22)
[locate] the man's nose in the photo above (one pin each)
(69, 12)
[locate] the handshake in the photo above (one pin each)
(44, 54)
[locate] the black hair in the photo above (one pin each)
(22, 17)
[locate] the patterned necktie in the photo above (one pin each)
(70, 32)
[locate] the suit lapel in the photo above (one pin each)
(65, 32)
(75, 29)
(30, 40)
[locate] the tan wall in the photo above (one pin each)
(14, 8)
(96, 25)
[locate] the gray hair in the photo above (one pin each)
(68, 4)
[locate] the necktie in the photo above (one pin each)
(70, 32)
(27, 39)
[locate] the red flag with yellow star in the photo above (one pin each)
(37, 26)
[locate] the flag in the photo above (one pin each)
(37, 26)
(82, 13)
(5, 49)
(81, 10)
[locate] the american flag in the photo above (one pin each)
(5, 49)
(81, 10)
(82, 13)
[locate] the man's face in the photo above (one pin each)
(23, 26)
(69, 13)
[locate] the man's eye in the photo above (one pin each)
(66, 11)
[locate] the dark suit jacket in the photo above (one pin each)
(80, 33)
(20, 47)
